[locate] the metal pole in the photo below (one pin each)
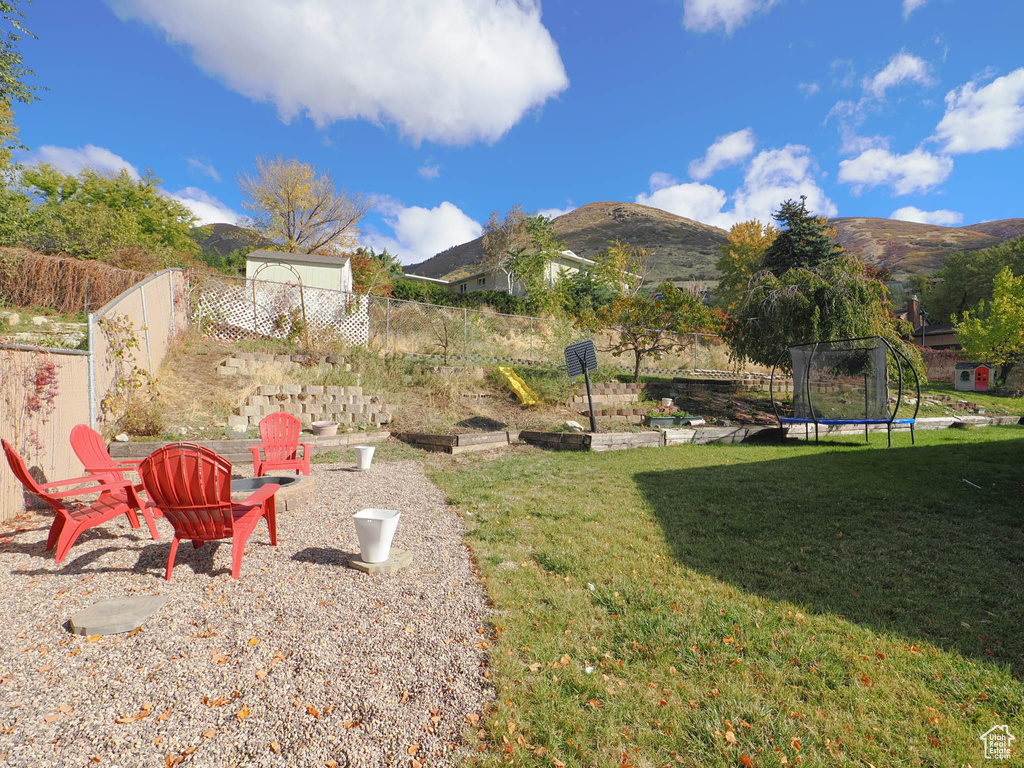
(387, 327)
(465, 332)
(92, 373)
(170, 291)
(695, 351)
(531, 338)
(145, 320)
(590, 399)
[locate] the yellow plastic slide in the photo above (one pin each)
(526, 395)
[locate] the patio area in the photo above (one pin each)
(302, 661)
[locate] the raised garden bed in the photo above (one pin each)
(588, 441)
(460, 443)
(237, 451)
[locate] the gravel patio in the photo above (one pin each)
(301, 662)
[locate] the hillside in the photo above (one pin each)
(222, 239)
(682, 249)
(906, 248)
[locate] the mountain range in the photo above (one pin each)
(682, 249)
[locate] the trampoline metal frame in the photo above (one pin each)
(898, 356)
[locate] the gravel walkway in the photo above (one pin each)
(301, 662)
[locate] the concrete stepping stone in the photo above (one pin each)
(399, 559)
(111, 617)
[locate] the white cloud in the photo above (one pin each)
(916, 171)
(429, 171)
(730, 149)
(991, 117)
(902, 67)
(808, 89)
(943, 217)
(74, 161)
(777, 175)
(420, 233)
(706, 15)
(700, 202)
(207, 208)
(909, 6)
(451, 71)
(206, 169)
(554, 213)
(770, 178)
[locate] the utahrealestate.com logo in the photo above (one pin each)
(997, 742)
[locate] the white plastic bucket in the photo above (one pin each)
(375, 528)
(364, 455)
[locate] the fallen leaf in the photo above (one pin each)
(727, 640)
(472, 718)
(64, 708)
(405, 697)
(243, 712)
(413, 749)
(558, 763)
(662, 703)
(331, 764)
(255, 641)
(866, 680)
(535, 668)
(746, 762)
(50, 718)
(795, 744)
(260, 674)
(730, 737)
(350, 724)
(311, 710)
(275, 747)
(164, 715)
(209, 734)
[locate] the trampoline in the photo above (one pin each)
(846, 382)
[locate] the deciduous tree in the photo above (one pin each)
(505, 239)
(994, 332)
(298, 207)
(649, 324)
(742, 256)
(622, 267)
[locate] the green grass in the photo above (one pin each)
(830, 605)
(993, 404)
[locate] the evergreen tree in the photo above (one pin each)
(804, 242)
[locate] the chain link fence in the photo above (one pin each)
(233, 309)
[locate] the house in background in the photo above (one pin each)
(937, 336)
(306, 269)
(566, 263)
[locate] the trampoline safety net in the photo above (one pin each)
(845, 379)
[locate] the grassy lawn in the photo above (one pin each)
(738, 605)
(991, 403)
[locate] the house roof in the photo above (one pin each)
(972, 366)
(298, 258)
(934, 329)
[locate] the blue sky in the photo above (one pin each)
(445, 110)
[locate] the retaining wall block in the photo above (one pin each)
(291, 389)
(314, 389)
(238, 421)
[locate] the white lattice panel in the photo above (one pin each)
(234, 309)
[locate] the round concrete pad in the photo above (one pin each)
(109, 617)
(399, 559)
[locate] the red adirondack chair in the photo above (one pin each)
(90, 449)
(192, 486)
(279, 442)
(115, 498)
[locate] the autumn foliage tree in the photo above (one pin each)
(994, 332)
(807, 288)
(741, 257)
(296, 206)
(649, 325)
